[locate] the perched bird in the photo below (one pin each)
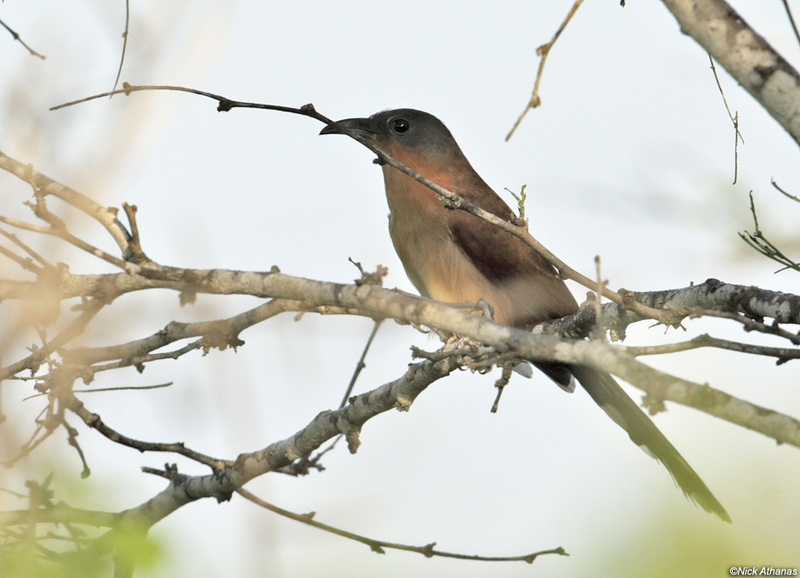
(454, 256)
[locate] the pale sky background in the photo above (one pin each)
(630, 158)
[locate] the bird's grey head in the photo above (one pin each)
(401, 131)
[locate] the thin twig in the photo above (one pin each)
(45, 186)
(33, 442)
(360, 365)
(24, 262)
(791, 19)
(135, 243)
(599, 328)
(95, 422)
(753, 212)
(500, 384)
(225, 104)
(139, 361)
(760, 243)
(520, 198)
(75, 328)
(734, 119)
(120, 388)
(21, 41)
(29, 250)
(220, 333)
(72, 439)
(752, 325)
(124, 42)
(543, 51)
(782, 354)
(65, 235)
(380, 546)
(788, 195)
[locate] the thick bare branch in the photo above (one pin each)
(58, 514)
(376, 302)
(183, 489)
(746, 304)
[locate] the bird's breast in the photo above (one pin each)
(432, 260)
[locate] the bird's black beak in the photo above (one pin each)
(359, 126)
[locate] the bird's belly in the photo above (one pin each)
(438, 269)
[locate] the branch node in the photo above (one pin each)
(500, 384)
(654, 405)
(187, 297)
(375, 278)
(353, 441)
(428, 550)
(628, 298)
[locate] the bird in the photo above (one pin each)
(456, 257)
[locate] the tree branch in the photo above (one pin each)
(376, 302)
(517, 229)
(373, 302)
(380, 546)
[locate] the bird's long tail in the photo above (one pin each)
(608, 394)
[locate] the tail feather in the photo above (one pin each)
(623, 410)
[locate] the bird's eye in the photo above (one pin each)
(400, 125)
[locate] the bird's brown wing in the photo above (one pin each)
(530, 282)
(536, 290)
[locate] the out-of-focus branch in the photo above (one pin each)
(46, 186)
